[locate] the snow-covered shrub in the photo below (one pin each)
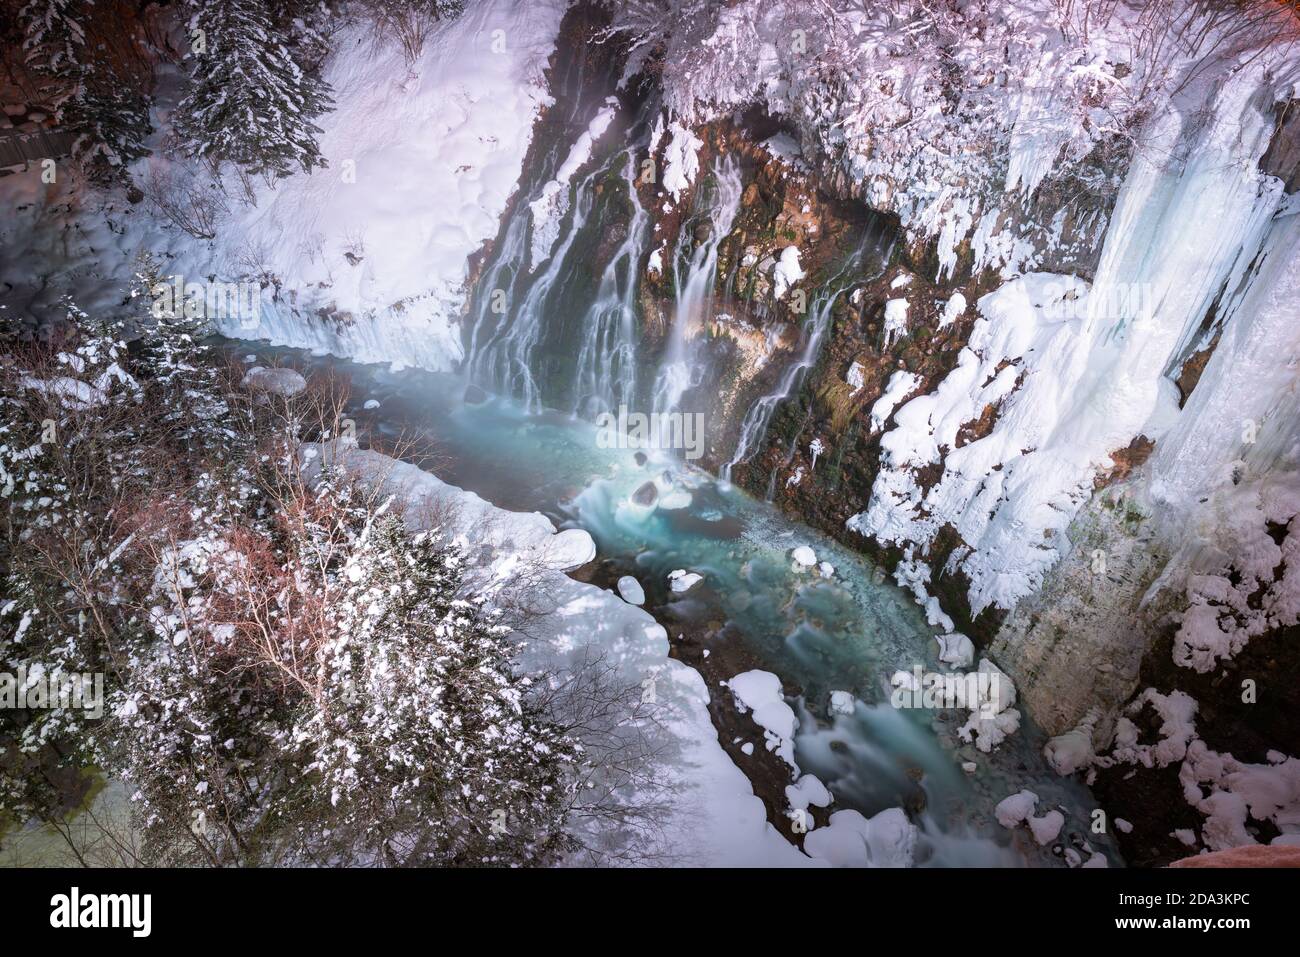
(292, 671)
(408, 22)
(250, 102)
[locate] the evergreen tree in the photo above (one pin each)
(251, 103)
(113, 122)
(111, 116)
(53, 35)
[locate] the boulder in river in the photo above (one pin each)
(631, 591)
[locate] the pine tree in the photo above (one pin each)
(110, 116)
(251, 103)
(53, 35)
(112, 121)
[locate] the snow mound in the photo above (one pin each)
(284, 382)
(887, 839)
(631, 591)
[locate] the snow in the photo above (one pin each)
(1016, 809)
(886, 839)
(807, 792)
(953, 310)
(284, 382)
(787, 271)
(1073, 750)
(956, 650)
(1046, 827)
(715, 819)
(437, 152)
(901, 384)
(993, 719)
(759, 693)
(895, 320)
(804, 556)
(1074, 370)
(682, 581)
(856, 377)
(569, 549)
(630, 590)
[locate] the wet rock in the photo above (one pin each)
(474, 395)
(646, 495)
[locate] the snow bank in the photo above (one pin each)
(714, 819)
(421, 165)
(850, 840)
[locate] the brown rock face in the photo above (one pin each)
(1252, 855)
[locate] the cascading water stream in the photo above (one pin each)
(507, 361)
(694, 274)
(759, 417)
(607, 358)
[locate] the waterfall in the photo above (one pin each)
(754, 426)
(607, 358)
(694, 272)
(507, 360)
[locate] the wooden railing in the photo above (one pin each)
(23, 149)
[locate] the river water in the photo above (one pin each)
(846, 631)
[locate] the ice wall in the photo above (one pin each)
(1093, 362)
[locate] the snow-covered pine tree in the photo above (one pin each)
(423, 738)
(112, 122)
(54, 35)
(250, 103)
(111, 117)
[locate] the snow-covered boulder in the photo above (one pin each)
(759, 693)
(681, 580)
(569, 549)
(1016, 809)
(992, 719)
(807, 791)
(804, 557)
(285, 382)
(1069, 752)
(850, 840)
(631, 591)
(956, 650)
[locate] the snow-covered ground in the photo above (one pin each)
(715, 820)
(422, 161)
